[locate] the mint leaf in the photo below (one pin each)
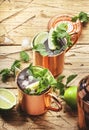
(37, 73)
(82, 16)
(60, 84)
(27, 91)
(58, 36)
(60, 78)
(24, 56)
(15, 65)
(43, 75)
(70, 78)
(41, 49)
(5, 73)
(61, 87)
(74, 19)
(62, 27)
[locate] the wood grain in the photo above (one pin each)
(21, 19)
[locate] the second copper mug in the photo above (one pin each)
(37, 104)
(54, 63)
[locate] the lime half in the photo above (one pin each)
(7, 99)
(40, 38)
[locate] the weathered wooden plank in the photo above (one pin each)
(16, 120)
(75, 58)
(17, 20)
(76, 61)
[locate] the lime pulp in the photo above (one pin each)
(7, 99)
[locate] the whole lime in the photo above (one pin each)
(70, 96)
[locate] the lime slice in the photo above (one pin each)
(33, 86)
(50, 40)
(7, 99)
(40, 38)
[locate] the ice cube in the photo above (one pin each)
(33, 86)
(27, 73)
(25, 83)
(25, 43)
(30, 78)
(21, 77)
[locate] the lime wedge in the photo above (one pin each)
(7, 99)
(50, 40)
(33, 86)
(40, 38)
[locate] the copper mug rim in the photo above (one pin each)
(22, 89)
(54, 18)
(54, 55)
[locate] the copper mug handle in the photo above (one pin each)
(56, 101)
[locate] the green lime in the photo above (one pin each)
(40, 38)
(70, 96)
(7, 99)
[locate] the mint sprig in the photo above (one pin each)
(8, 73)
(82, 16)
(63, 86)
(16, 64)
(60, 37)
(24, 56)
(5, 74)
(45, 78)
(41, 49)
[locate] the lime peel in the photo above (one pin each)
(70, 96)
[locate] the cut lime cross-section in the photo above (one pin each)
(7, 99)
(40, 38)
(50, 40)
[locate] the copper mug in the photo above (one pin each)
(38, 104)
(55, 63)
(83, 103)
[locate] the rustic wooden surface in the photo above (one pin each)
(21, 19)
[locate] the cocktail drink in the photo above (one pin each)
(51, 59)
(50, 47)
(83, 104)
(35, 90)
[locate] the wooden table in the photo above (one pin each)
(21, 19)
